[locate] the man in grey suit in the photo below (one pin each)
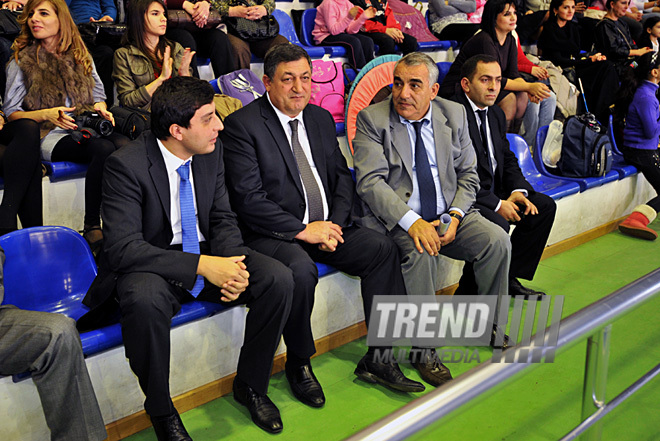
(48, 346)
(414, 161)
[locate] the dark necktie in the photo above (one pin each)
(314, 201)
(427, 195)
(484, 137)
(189, 239)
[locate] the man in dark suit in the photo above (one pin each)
(505, 197)
(293, 193)
(167, 222)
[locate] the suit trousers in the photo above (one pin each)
(477, 241)
(527, 240)
(148, 302)
(365, 253)
(48, 345)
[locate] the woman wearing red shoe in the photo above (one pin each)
(640, 137)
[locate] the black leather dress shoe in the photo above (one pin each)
(516, 289)
(170, 428)
(263, 411)
(388, 374)
(506, 342)
(304, 385)
(428, 364)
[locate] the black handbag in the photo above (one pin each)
(102, 33)
(9, 26)
(131, 122)
(252, 30)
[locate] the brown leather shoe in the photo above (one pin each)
(427, 362)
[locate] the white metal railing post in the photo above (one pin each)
(595, 380)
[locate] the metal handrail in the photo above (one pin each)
(489, 376)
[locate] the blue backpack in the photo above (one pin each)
(585, 150)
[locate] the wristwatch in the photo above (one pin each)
(456, 215)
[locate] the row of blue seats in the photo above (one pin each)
(51, 268)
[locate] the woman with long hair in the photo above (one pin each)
(52, 80)
(147, 58)
(637, 109)
(651, 33)
(560, 43)
(498, 21)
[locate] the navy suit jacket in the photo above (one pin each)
(262, 174)
(508, 176)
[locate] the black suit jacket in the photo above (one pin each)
(136, 217)
(265, 186)
(507, 177)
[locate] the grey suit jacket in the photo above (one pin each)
(383, 161)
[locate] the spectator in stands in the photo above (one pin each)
(409, 172)
(385, 30)
(206, 42)
(537, 114)
(85, 11)
(495, 39)
(304, 217)
(560, 43)
(338, 22)
(48, 346)
(531, 17)
(20, 168)
(51, 79)
(637, 105)
(504, 196)
(651, 34)
(168, 222)
(613, 37)
(250, 10)
(456, 19)
(147, 58)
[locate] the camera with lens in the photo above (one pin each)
(91, 125)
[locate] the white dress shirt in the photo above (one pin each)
(304, 143)
(172, 163)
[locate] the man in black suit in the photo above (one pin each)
(164, 195)
(293, 193)
(505, 196)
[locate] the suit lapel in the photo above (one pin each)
(317, 146)
(442, 136)
(203, 185)
(401, 141)
(480, 148)
(158, 174)
(277, 132)
(498, 153)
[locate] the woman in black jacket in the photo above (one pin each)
(560, 43)
(613, 38)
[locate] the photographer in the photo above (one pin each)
(51, 79)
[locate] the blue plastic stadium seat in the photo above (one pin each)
(289, 31)
(51, 268)
(59, 171)
(306, 28)
(618, 163)
(585, 183)
(443, 67)
(556, 188)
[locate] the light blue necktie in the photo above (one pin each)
(189, 240)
